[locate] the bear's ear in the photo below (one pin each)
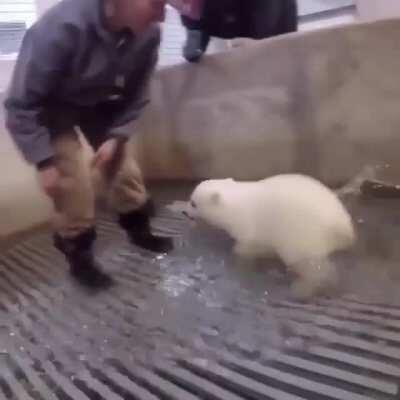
(215, 198)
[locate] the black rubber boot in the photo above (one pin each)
(196, 45)
(137, 226)
(83, 265)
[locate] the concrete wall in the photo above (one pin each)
(370, 10)
(22, 205)
(323, 103)
(6, 66)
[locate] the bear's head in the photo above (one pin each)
(208, 202)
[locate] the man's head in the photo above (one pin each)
(137, 15)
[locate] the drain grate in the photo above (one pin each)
(60, 343)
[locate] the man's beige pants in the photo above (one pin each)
(120, 183)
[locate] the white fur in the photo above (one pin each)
(291, 216)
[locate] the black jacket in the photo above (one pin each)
(255, 19)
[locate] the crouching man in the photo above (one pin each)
(86, 64)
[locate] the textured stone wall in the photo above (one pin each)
(324, 103)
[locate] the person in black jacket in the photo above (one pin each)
(228, 19)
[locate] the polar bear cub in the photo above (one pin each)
(292, 216)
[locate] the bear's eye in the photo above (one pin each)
(193, 204)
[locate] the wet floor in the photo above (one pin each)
(196, 302)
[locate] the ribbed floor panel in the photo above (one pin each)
(190, 325)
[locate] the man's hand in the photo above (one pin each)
(109, 156)
(105, 153)
(49, 179)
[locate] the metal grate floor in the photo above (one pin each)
(183, 327)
